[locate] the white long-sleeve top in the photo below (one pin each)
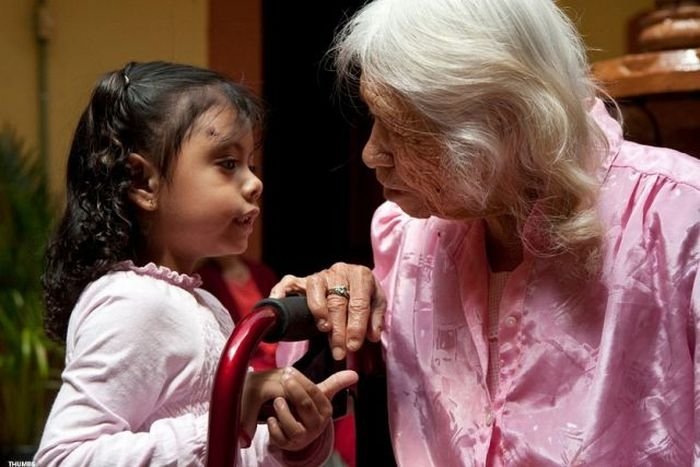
(142, 348)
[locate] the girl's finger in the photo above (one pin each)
(337, 382)
(311, 407)
(277, 436)
(290, 426)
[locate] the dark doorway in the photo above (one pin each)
(318, 197)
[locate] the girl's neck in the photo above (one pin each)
(166, 259)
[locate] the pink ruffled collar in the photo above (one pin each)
(161, 272)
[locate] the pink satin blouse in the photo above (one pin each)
(599, 372)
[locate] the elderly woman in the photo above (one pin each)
(540, 272)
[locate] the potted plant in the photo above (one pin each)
(29, 361)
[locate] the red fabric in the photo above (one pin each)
(246, 295)
(239, 300)
(345, 439)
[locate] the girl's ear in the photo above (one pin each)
(145, 182)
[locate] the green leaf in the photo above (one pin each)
(30, 362)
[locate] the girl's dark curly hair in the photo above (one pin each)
(145, 108)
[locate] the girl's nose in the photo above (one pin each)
(253, 187)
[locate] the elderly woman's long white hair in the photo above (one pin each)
(505, 85)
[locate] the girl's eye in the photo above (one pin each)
(229, 164)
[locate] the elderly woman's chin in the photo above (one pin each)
(444, 208)
(408, 202)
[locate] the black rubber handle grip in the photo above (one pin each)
(294, 319)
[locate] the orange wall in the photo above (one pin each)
(18, 95)
(602, 23)
(88, 38)
(234, 38)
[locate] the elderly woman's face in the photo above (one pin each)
(406, 157)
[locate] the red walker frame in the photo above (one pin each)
(289, 319)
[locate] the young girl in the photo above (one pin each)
(160, 176)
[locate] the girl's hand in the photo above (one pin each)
(303, 408)
(349, 319)
(306, 411)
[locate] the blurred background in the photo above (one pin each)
(318, 197)
(53, 51)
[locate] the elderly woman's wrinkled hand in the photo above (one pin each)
(346, 301)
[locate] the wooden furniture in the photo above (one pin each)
(657, 84)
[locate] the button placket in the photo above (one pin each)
(489, 417)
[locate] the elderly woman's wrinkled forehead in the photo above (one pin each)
(387, 105)
(410, 131)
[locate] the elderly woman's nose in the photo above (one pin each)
(375, 153)
(375, 158)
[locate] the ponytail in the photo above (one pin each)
(96, 230)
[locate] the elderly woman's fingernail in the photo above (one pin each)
(353, 343)
(323, 325)
(338, 353)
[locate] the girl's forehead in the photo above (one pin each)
(221, 123)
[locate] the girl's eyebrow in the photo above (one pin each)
(223, 139)
(228, 145)
(229, 140)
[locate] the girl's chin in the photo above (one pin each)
(240, 245)
(245, 229)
